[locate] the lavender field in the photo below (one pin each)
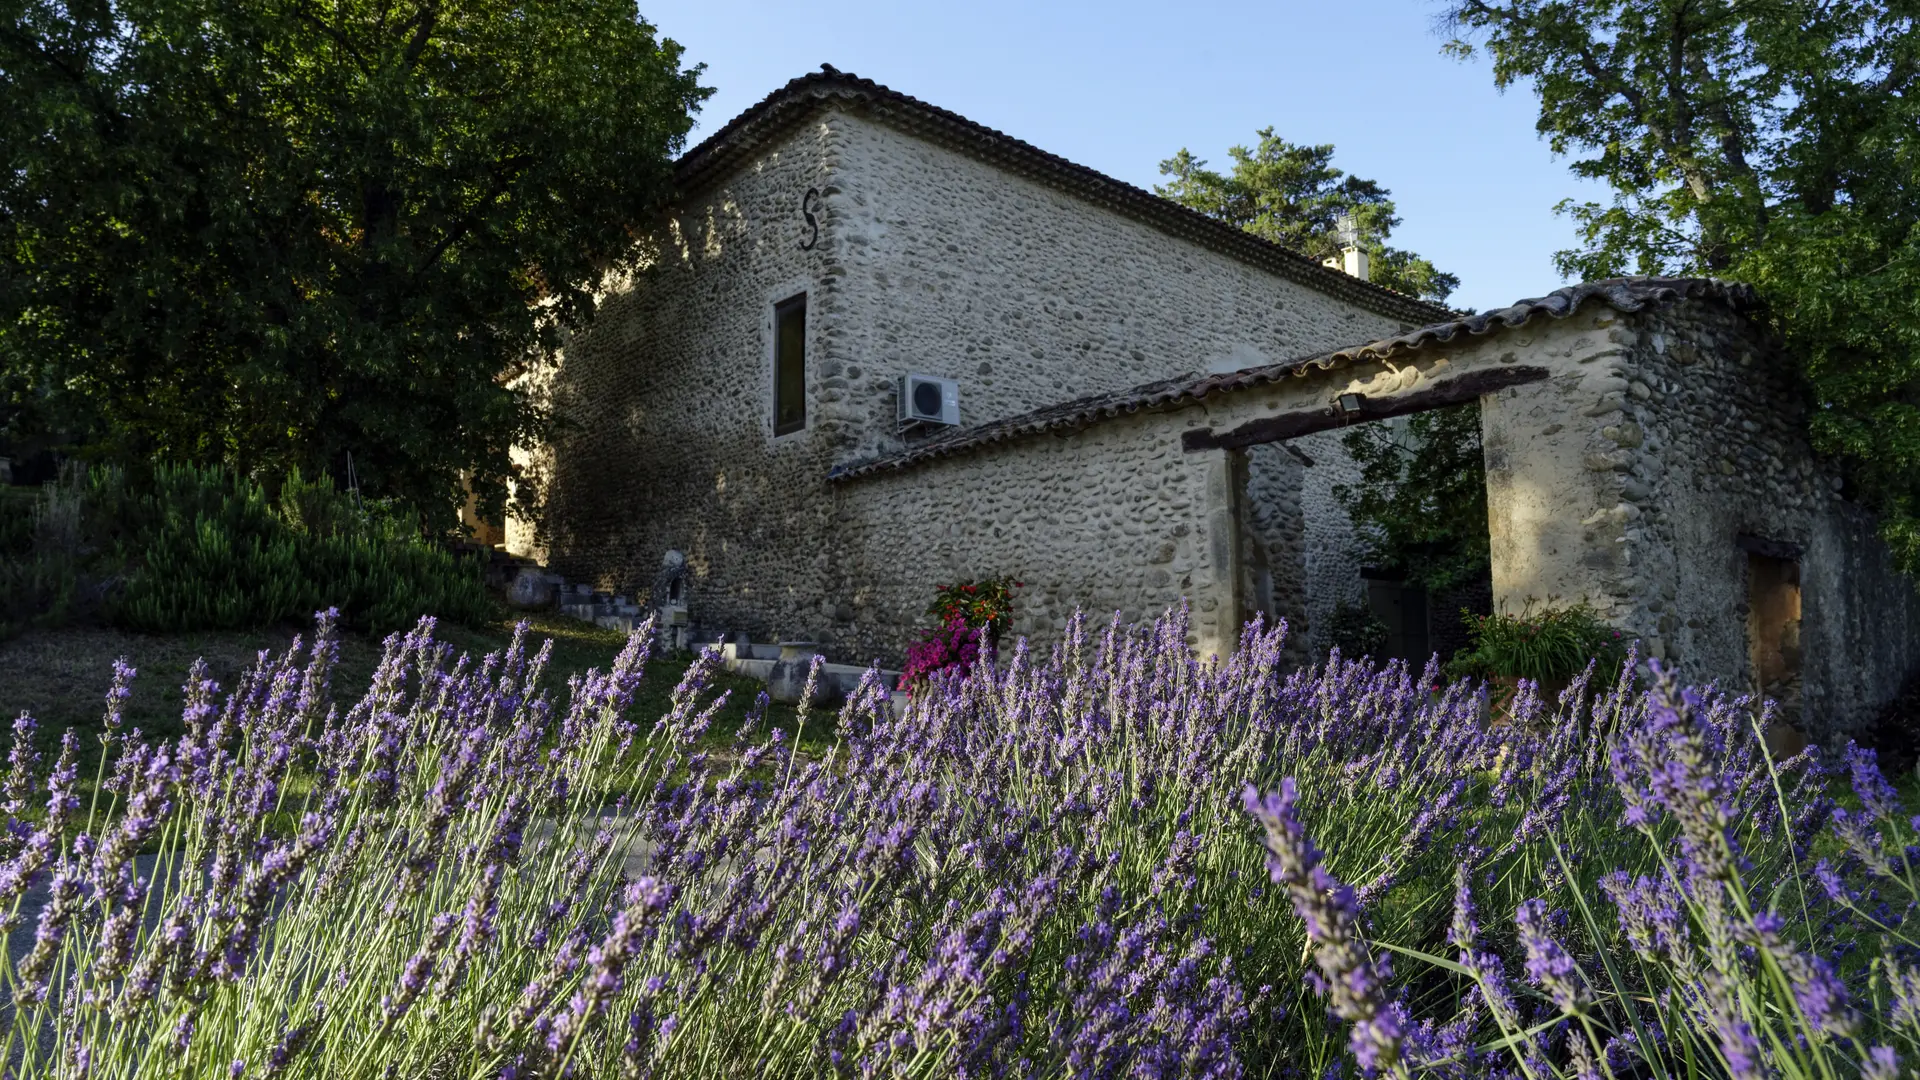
(1107, 861)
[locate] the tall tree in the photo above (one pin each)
(1777, 143)
(1420, 505)
(273, 233)
(1292, 195)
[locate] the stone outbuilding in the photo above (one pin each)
(1133, 404)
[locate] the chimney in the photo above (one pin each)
(1351, 261)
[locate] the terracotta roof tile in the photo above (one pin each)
(1623, 294)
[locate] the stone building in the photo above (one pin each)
(1148, 408)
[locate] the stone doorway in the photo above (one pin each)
(1305, 557)
(1773, 634)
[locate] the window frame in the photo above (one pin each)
(781, 308)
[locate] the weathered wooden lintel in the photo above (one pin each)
(1291, 425)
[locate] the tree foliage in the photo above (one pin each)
(272, 233)
(1776, 143)
(1420, 507)
(1291, 194)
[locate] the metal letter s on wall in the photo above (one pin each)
(807, 203)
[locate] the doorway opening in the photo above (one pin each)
(1401, 606)
(1773, 633)
(1773, 624)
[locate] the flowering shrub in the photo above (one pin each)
(973, 615)
(953, 648)
(986, 604)
(1104, 860)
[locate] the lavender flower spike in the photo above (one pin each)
(117, 697)
(1548, 964)
(21, 763)
(1354, 980)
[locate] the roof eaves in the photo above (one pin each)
(1623, 294)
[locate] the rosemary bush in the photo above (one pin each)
(1106, 860)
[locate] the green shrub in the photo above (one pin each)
(202, 548)
(41, 550)
(1551, 645)
(223, 555)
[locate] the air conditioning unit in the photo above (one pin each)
(928, 399)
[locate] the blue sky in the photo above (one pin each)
(1121, 85)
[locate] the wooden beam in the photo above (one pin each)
(1291, 425)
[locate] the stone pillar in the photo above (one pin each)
(1560, 529)
(1217, 586)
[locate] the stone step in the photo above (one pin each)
(836, 680)
(752, 669)
(732, 651)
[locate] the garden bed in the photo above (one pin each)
(1111, 862)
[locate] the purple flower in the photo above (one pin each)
(1549, 965)
(182, 1034)
(1666, 766)
(1817, 988)
(291, 1045)
(1876, 796)
(1351, 977)
(1651, 915)
(117, 696)
(21, 763)
(416, 972)
(1465, 927)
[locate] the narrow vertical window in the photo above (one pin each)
(790, 365)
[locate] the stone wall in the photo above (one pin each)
(1723, 454)
(926, 260)
(1302, 544)
(666, 402)
(1028, 295)
(1274, 567)
(1113, 518)
(1331, 570)
(1629, 479)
